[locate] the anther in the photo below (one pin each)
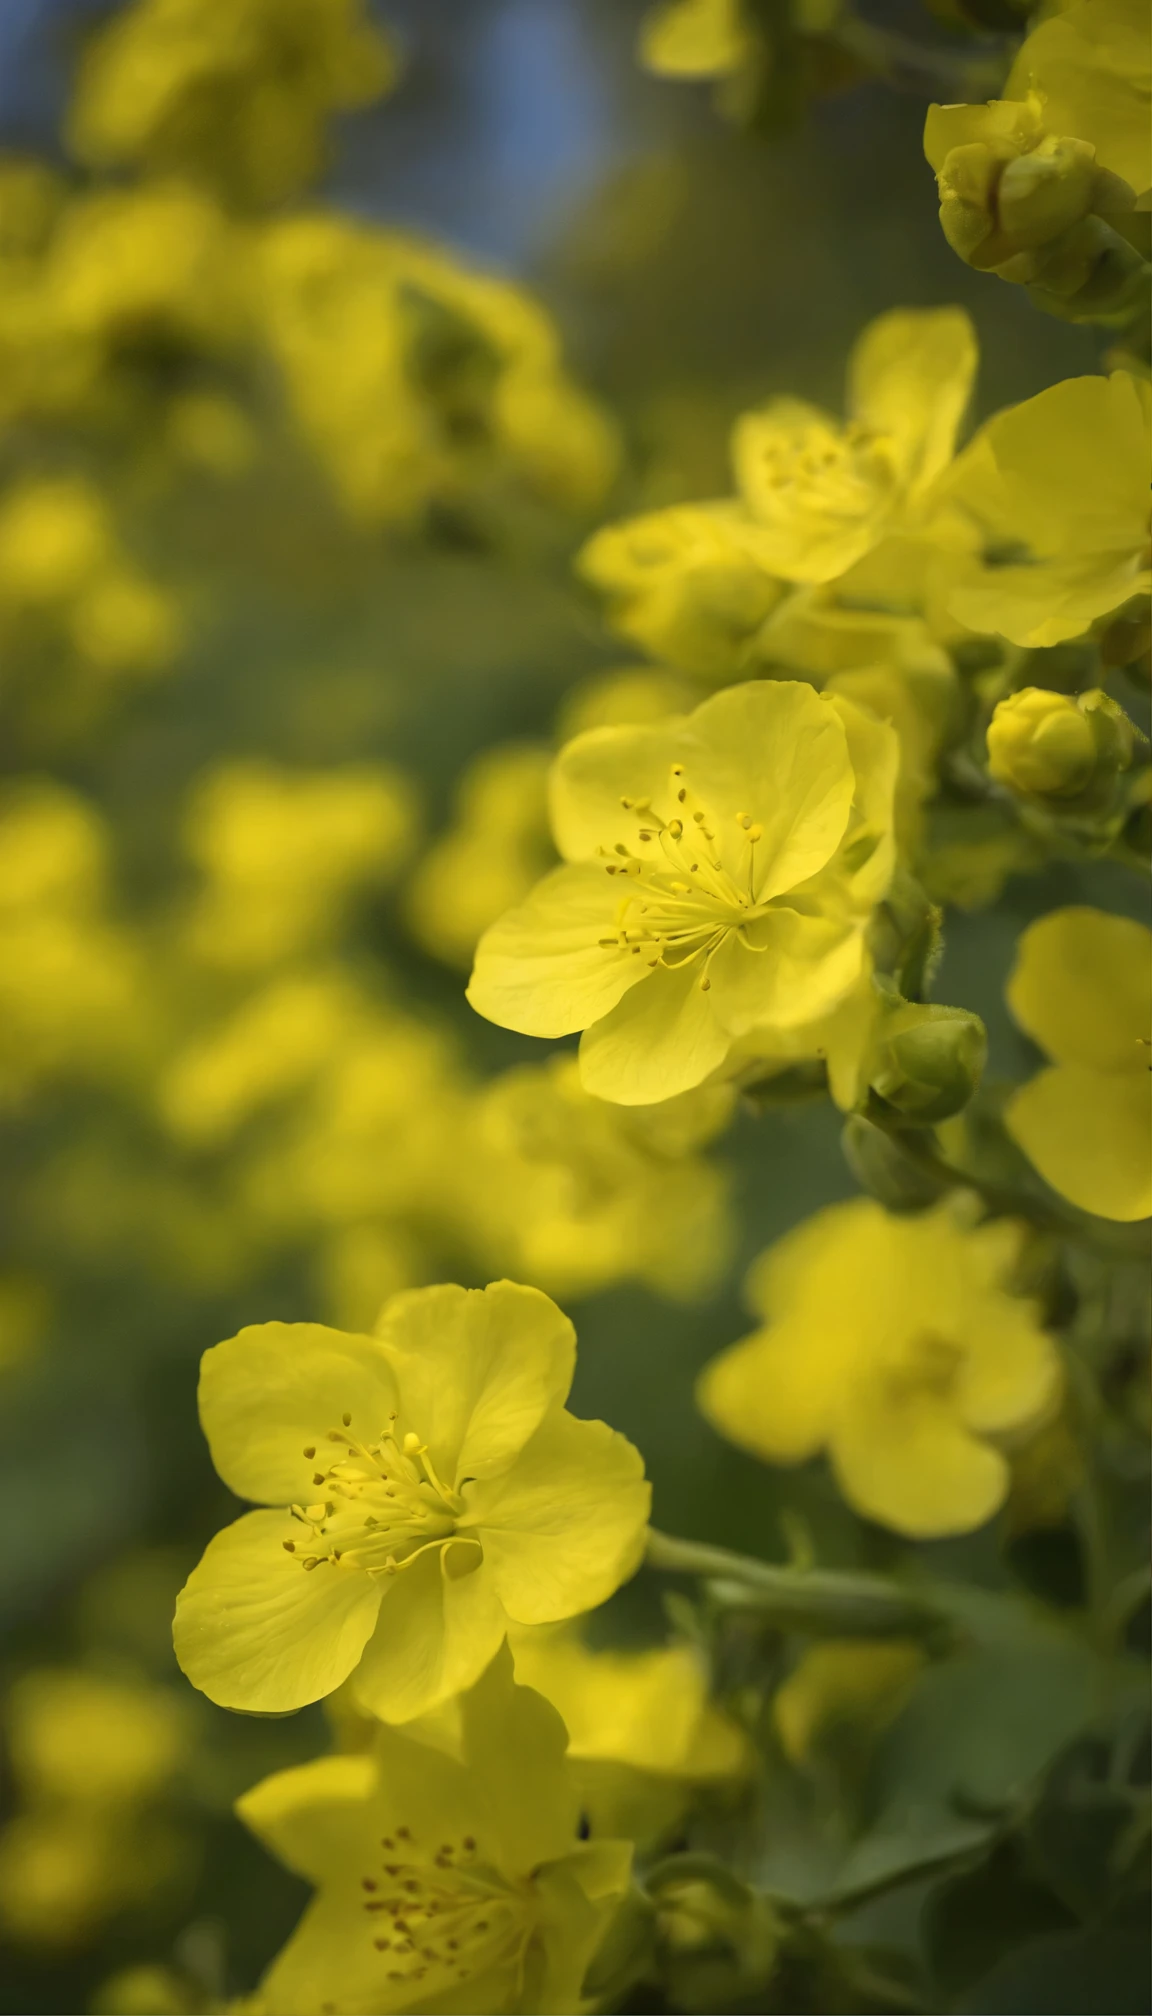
(310, 1453)
(347, 1420)
(289, 1546)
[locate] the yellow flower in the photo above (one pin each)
(1082, 988)
(720, 871)
(892, 1344)
(1065, 475)
(843, 1688)
(275, 1044)
(695, 38)
(432, 1486)
(691, 584)
(641, 1730)
(90, 1756)
(446, 1879)
(237, 92)
(283, 852)
(575, 1193)
(822, 493)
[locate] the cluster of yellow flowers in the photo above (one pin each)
(177, 326)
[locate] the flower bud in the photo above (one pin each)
(927, 1060)
(1049, 745)
(886, 1169)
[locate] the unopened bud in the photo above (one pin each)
(927, 1060)
(886, 1169)
(1049, 745)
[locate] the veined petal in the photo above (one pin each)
(565, 1526)
(276, 1389)
(312, 1815)
(1089, 1134)
(907, 1461)
(541, 968)
(440, 1623)
(477, 1368)
(515, 1750)
(1082, 988)
(784, 969)
(596, 770)
(255, 1630)
(776, 750)
(910, 376)
(662, 1038)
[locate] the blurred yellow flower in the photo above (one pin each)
(446, 1879)
(433, 1487)
(691, 584)
(894, 1345)
(1082, 989)
(234, 91)
(720, 872)
(91, 1757)
(283, 852)
(695, 38)
(72, 1000)
(843, 1687)
(576, 1193)
(1065, 476)
(641, 1730)
(821, 493)
(274, 1044)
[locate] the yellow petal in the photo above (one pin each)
(1082, 988)
(776, 750)
(477, 1368)
(1091, 61)
(596, 770)
(1010, 1377)
(1090, 1135)
(440, 1623)
(662, 1038)
(911, 375)
(542, 970)
(771, 749)
(565, 1526)
(694, 38)
(906, 1460)
(1050, 602)
(771, 1395)
(255, 1630)
(783, 970)
(276, 1389)
(310, 1817)
(514, 1749)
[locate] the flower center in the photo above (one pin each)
(923, 1365)
(842, 473)
(444, 1908)
(379, 1503)
(686, 890)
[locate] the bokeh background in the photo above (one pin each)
(693, 268)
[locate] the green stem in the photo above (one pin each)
(815, 1600)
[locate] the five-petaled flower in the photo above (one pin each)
(431, 1485)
